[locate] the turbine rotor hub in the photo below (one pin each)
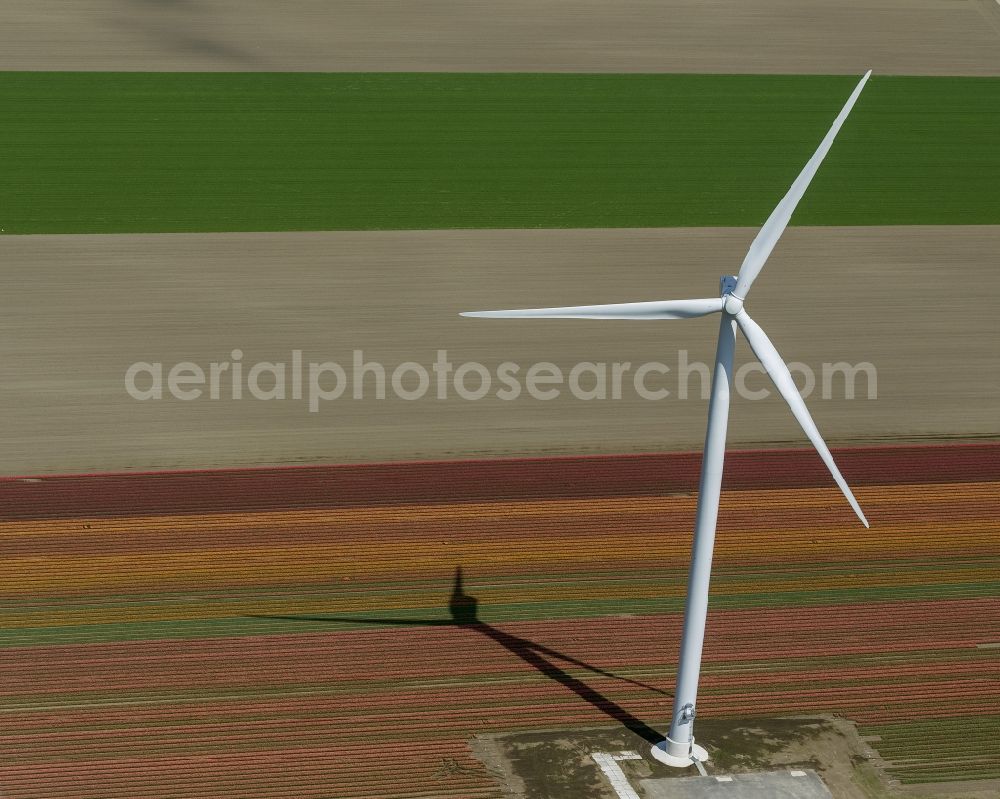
(733, 304)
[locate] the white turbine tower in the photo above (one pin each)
(679, 748)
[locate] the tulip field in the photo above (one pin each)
(272, 632)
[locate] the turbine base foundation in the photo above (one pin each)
(663, 752)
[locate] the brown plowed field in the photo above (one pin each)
(915, 37)
(64, 407)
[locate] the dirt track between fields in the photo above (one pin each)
(915, 37)
(918, 303)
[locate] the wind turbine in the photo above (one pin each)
(679, 748)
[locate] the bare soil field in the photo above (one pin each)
(79, 310)
(914, 37)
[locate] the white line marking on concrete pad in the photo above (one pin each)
(723, 779)
(615, 775)
(627, 756)
(798, 773)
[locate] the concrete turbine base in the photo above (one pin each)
(665, 750)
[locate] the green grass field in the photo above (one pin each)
(133, 152)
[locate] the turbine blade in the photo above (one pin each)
(666, 309)
(776, 223)
(782, 378)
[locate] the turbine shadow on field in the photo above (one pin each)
(464, 610)
(179, 27)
